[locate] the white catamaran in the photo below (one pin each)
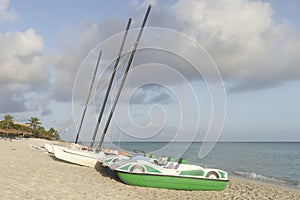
(89, 156)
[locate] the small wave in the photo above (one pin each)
(254, 175)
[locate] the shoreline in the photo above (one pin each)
(259, 181)
(29, 173)
(263, 182)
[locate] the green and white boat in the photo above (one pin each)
(167, 173)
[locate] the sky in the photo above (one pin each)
(224, 70)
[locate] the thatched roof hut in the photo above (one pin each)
(14, 133)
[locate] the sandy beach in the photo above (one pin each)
(28, 173)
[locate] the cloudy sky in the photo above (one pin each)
(215, 69)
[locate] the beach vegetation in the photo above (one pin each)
(33, 128)
(34, 123)
(8, 121)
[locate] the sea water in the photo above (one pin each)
(274, 162)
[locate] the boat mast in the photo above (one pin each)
(88, 97)
(124, 76)
(110, 84)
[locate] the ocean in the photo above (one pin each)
(273, 162)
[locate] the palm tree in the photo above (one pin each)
(53, 133)
(34, 123)
(8, 121)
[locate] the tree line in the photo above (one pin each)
(33, 128)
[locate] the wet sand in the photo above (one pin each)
(29, 173)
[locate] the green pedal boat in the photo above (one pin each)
(170, 174)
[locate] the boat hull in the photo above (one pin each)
(49, 148)
(75, 156)
(171, 182)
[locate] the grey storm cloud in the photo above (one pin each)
(152, 94)
(12, 103)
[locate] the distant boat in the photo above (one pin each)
(169, 174)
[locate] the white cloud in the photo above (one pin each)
(5, 14)
(21, 57)
(23, 68)
(250, 49)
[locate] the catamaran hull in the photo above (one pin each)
(171, 182)
(75, 156)
(49, 148)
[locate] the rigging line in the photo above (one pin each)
(103, 84)
(110, 84)
(124, 77)
(124, 56)
(88, 97)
